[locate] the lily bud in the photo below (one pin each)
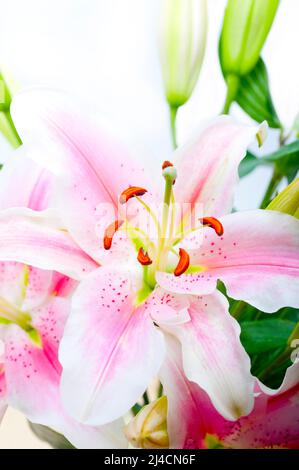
(245, 28)
(7, 89)
(148, 429)
(182, 46)
(7, 128)
(288, 200)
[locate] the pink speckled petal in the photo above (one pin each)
(167, 308)
(208, 165)
(272, 423)
(33, 376)
(202, 283)
(257, 258)
(213, 356)
(92, 169)
(36, 238)
(193, 422)
(110, 350)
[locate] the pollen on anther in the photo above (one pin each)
(183, 263)
(143, 257)
(130, 192)
(166, 164)
(109, 233)
(213, 223)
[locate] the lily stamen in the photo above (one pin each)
(130, 192)
(213, 223)
(183, 263)
(143, 257)
(109, 233)
(166, 164)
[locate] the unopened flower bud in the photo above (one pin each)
(7, 89)
(148, 429)
(288, 200)
(245, 28)
(182, 46)
(7, 128)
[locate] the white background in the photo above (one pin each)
(105, 51)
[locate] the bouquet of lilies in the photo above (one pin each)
(135, 302)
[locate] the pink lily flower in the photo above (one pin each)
(193, 422)
(34, 306)
(130, 292)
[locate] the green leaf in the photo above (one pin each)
(56, 440)
(286, 160)
(254, 96)
(249, 163)
(264, 335)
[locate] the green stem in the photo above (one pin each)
(166, 204)
(232, 85)
(274, 182)
(173, 116)
(165, 215)
(8, 129)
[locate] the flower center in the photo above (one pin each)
(153, 255)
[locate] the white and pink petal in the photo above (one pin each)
(37, 239)
(207, 166)
(213, 356)
(92, 169)
(257, 258)
(110, 350)
(33, 377)
(23, 183)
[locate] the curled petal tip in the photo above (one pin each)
(261, 135)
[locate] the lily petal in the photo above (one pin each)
(291, 379)
(272, 423)
(257, 258)
(22, 285)
(194, 423)
(92, 169)
(190, 413)
(110, 350)
(33, 375)
(23, 183)
(208, 165)
(213, 356)
(36, 238)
